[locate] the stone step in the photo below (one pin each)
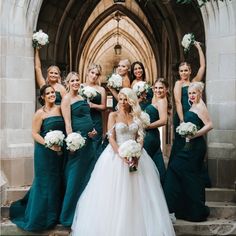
(182, 228)
(220, 195)
(220, 210)
(212, 194)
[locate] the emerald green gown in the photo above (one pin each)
(177, 141)
(184, 188)
(97, 121)
(79, 164)
(58, 98)
(40, 208)
(152, 142)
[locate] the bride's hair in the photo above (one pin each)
(135, 109)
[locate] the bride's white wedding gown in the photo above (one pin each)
(119, 203)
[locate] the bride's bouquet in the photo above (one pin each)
(74, 141)
(145, 119)
(140, 87)
(115, 81)
(187, 41)
(131, 150)
(54, 137)
(39, 39)
(87, 92)
(186, 129)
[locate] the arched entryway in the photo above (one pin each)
(86, 31)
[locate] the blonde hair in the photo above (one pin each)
(199, 86)
(135, 109)
(68, 78)
(127, 63)
(58, 70)
(95, 66)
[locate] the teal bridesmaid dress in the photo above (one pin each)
(184, 188)
(97, 121)
(40, 208)
(177, 141)
(152, 142)
(58, 98)
(79, 164)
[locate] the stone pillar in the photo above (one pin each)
(18, 19)
(220, 27)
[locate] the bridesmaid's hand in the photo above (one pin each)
(56, 148)
(92, 133)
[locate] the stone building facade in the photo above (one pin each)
(85, 31)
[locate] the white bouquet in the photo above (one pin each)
(87, 92)
(115, 81)
(130, 150)
(140, 87)
(39, 39)
(54, 137)
(186, 129)
(74, 141)
(145, 119)
(187, 41)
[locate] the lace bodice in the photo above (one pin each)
(125, 132)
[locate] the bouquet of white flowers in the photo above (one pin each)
(186, 129)
(54, 137)
(187, 41)
(145, 119)
(87, 92)
(74, 141)
(39, 39)
(140, 87)
(131, 150)
(115, 81)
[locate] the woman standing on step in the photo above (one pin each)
(98, 103)
(184, 188)
(158, 112)
(53, 77)
(40, 208)
(79, 164)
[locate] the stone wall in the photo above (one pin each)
(220, 27)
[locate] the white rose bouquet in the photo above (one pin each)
(87, 92)
(54, 137)
(145, 119)
(140, 87)
(39, 39)
(187, 41)
(186, 129)
(131, 150)
(74, 141)
(115, 81)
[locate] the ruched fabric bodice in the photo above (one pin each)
(125, 132)
(52, 123)
(81, 118)
(184, 99)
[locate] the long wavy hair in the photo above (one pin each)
(132, 70)
(135, 109)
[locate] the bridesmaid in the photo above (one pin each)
(123, 70)
(53, 77)
(98, 103)
(40, 208)
(158, 111)
(76, 113)
(184, 188)
(181, 92)
(138, 74)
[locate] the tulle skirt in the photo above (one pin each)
(117, 202)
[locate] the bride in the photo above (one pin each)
(117, 202)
